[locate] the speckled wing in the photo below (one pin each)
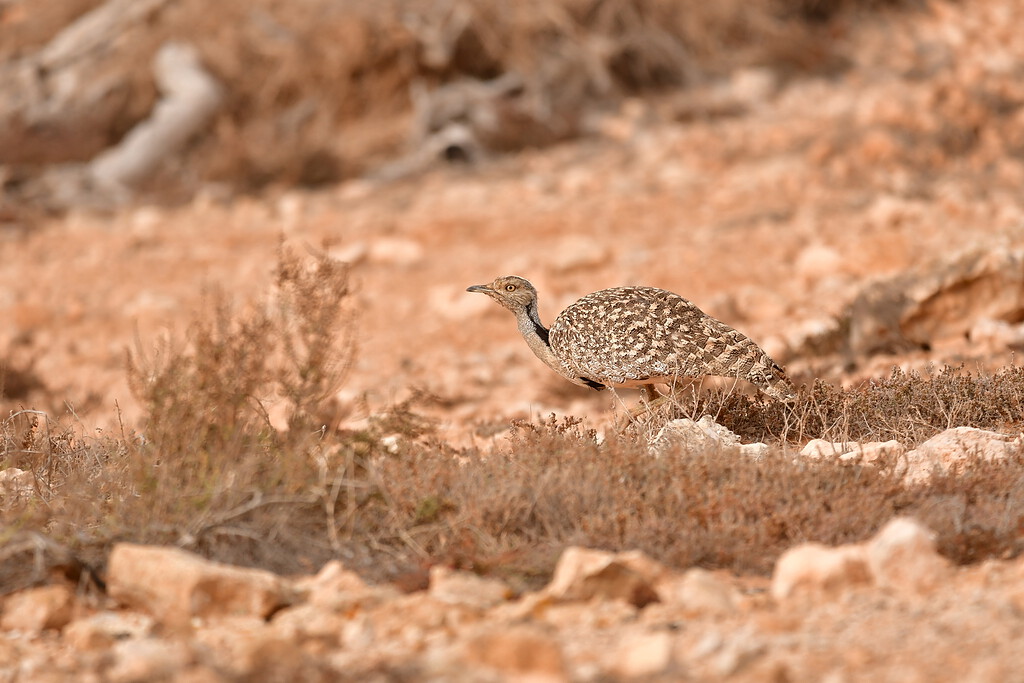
(629, 335)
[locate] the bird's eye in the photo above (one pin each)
(510, 288)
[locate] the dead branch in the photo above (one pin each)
(191, 97)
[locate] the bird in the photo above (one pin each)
(636, 337)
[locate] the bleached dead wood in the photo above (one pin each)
(190, 98)
(62, 78)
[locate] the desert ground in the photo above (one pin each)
(425, 500)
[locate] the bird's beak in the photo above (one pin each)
(479, 288)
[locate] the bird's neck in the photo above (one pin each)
(536, 336)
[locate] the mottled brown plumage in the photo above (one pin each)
(636, 336)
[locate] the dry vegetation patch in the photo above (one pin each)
(213, 471)
(909, 407)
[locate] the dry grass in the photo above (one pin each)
(212, 471)
(909, 407)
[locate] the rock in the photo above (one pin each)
(958, 447)
(310, 622)
(173, 585)
(15, 483)
(902, 556)
(815, 568)
(997, 335)
(755, 451)
(853, 451)
(101, 630)
(817, 261)
(753, 85)
(34, 610)
(871, 452)
(815, 337)
(716, 656)
(917, 310)
(701, 591)
(247, 647)
(583, 574)
(332, 582)
(516, 653)
(408, 622)
(595, 615)
(685, 434)
(818, 449)
(463, 588)
(150, 659)
(642, 654)
(395, 251)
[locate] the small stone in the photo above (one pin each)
(873, 451)
(819, 449)
(34, 610)
(701, 591)
(583, 574)
(719, 656)
(15, 483)
(755, 451)
(517, 652)
(850, 452)
(332, 581)
(101, 630)
(150, 659)
(687, 435)
(816, 568)
(958, 447)
(753, 85)
(309, 622)
(902, 556)
(247, 647)
(174, 585)
(395, 251)
(817, 261)
(997, 335)
(463, 588)
(643, 654)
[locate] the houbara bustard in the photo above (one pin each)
(636, 337)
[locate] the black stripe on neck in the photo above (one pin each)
(534, 314)
(542, 332)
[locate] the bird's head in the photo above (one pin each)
(512, 292)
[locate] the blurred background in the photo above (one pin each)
(840, 180)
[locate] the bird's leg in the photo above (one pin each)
(650, 401)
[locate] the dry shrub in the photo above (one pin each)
(512, 513)
(214, 396)
(907, 406)
(213, 472)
